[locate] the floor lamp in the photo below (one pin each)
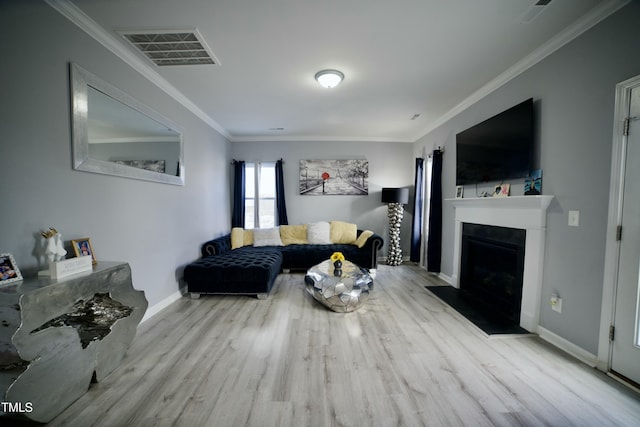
(395, 198)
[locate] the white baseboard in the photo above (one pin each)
(157, 308)
(441, 276)
(569, 347)
(554, 339)
(446, 278)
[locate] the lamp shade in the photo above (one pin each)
(395, 195)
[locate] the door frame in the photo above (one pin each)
(612, 248)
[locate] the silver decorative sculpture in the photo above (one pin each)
(396, 198)
(342, 293)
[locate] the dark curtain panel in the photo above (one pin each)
(281, 204)
(237, 217)
(434, 240)
(418, 208)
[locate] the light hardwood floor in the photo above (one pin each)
(405, 359)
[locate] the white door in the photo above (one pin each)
(625, 359)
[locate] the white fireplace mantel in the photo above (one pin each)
(523, 212)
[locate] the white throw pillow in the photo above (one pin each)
(319, 233)
(266, 237)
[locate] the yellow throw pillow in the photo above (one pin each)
(237, 237)
(362, 238)
(343, 232)
(248, 237)
(241, 237)
(293, 234)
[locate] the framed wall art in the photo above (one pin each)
(334, 177)
(9, 271)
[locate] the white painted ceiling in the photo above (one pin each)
(399, 58)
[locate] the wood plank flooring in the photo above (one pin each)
(405, 359)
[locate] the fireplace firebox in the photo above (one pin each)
(491, 270)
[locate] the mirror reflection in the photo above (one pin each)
(125, 136)
(116, 135)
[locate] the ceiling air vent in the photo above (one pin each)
(534, 11)
(171, 47)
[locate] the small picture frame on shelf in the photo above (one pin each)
(501, 190)
(9, 271)
(82, 247)
(533, 184)
(459, 191)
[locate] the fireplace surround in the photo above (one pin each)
(527, 213)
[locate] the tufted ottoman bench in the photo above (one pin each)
(251, 272)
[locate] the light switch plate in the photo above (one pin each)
(574, 218)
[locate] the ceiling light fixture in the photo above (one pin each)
(329, 78)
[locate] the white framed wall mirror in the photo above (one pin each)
(114, 134)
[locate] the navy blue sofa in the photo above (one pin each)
(253, 270)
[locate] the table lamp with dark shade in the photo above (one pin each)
(395, 198)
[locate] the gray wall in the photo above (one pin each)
(574, 94)
(157, 228)
(390, 165)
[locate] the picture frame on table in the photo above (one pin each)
(9, 271)
(459, 191)
(82, 247)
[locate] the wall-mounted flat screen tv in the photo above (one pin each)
(498, 149)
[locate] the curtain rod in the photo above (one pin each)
(438, 148)
(233, 161)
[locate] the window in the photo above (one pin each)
(260, 195)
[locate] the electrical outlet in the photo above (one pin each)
(574, 218)
(556, 303)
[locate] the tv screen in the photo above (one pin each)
(497, 149)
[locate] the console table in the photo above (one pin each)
(57, 336)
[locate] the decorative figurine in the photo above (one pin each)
(53, 245)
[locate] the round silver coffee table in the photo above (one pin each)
(343, 293)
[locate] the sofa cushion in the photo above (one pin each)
(293, 234)
(319, 233)
(241, 237)
(246, 270)
(362, 238)
(266, 237)
(303, 257)
(343, 232)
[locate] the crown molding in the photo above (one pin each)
(586, 22)
(93, 29)
(294, 138)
